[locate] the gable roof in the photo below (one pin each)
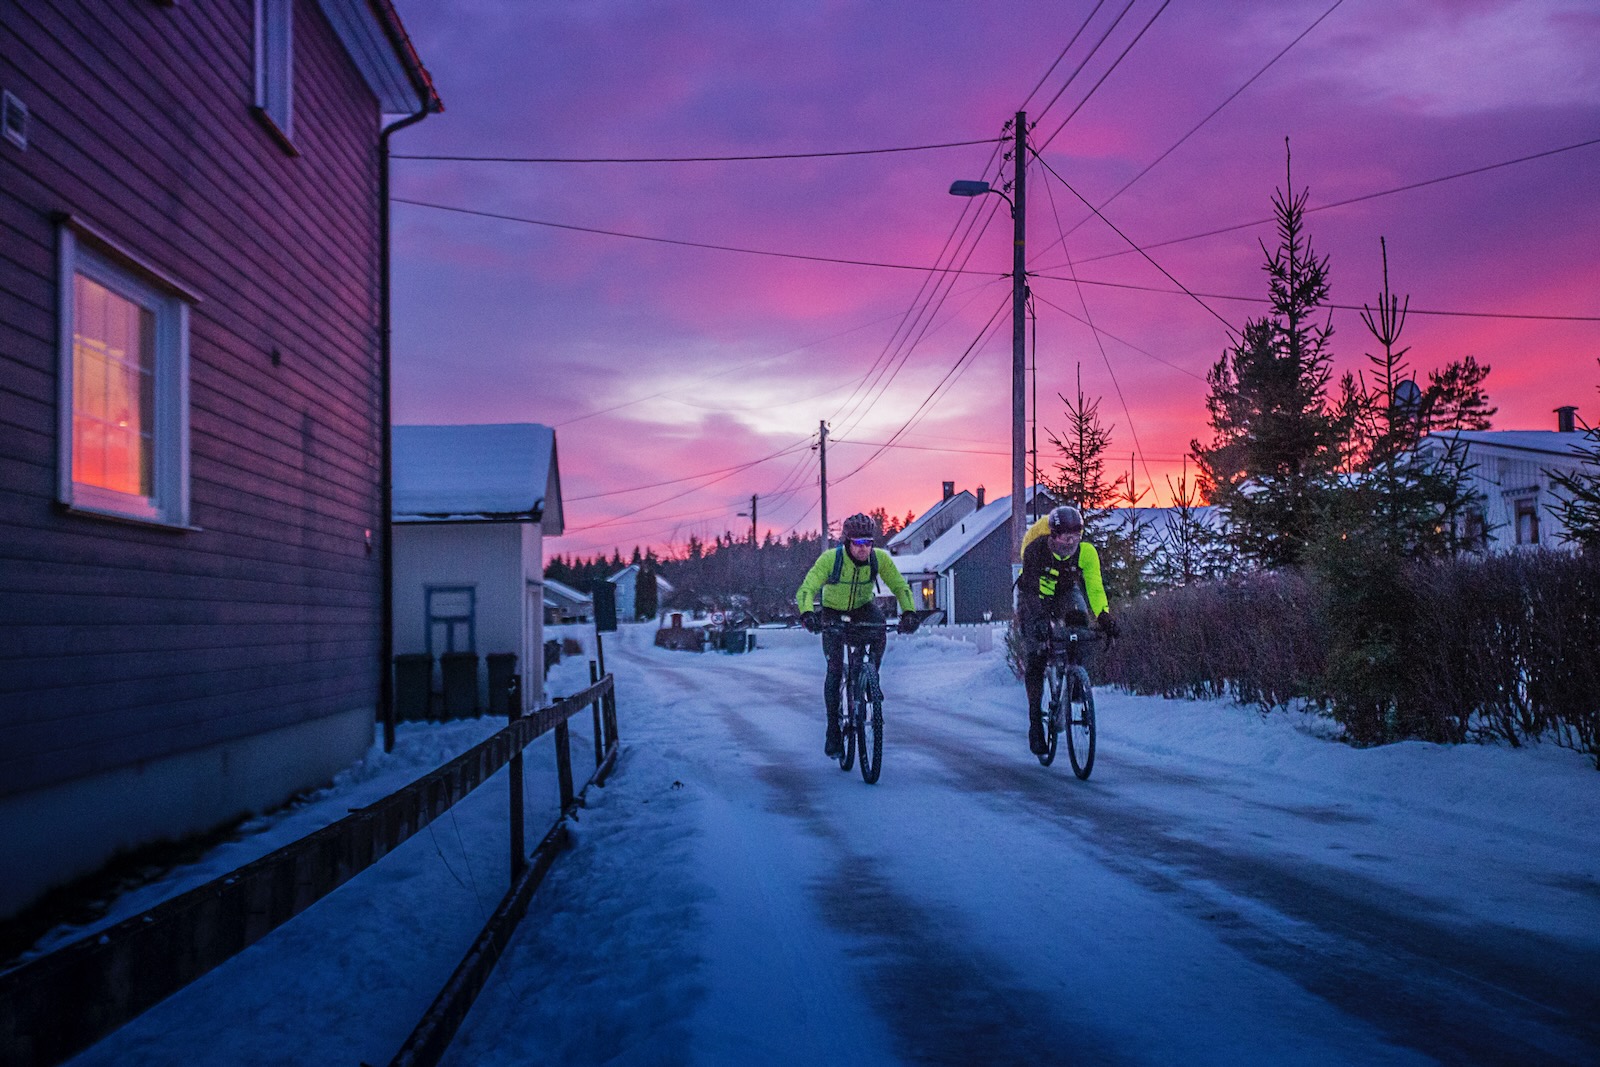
(1541, 442)
(957, 541)
(563, 592)
(632, 569)
(493, 473)
(379, 46)
(945, 506)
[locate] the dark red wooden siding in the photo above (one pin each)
(122, 643)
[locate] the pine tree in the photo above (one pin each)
(1277, 437)
(1579, 506)
(1189, 549)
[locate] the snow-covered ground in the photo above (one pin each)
(1228, 888)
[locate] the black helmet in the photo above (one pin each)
(1066, 520)
(858, 525)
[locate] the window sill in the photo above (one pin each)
(89, 512)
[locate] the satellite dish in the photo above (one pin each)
(1407, 397)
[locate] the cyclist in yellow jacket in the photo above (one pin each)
(846, 577)
(1060, 581)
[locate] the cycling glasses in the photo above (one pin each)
(861, 540)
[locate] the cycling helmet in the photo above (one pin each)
(1066, 520)
(858, 525)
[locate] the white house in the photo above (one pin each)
(563, 604)
(472, 506)
(924, 530)
(1511, 470)
(967, 570)
(627, 582)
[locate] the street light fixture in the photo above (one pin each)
(1019, 302)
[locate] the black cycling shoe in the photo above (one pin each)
(834, 745)
(1036, 742)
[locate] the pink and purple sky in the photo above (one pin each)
(663, 363)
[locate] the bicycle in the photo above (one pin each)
(1071, 698)
(861, 710)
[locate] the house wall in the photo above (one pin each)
(982, 579)
(130, 648)
(497, 561)
(1508, 480)
(627, 590)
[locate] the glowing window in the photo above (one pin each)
(124, 389)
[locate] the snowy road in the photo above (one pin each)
(1225, 889)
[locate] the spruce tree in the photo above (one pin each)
(1277, 436)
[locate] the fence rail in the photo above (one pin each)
(63, 1002)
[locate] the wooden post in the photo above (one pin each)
(594, 709)
(519, 858)
(564, 763)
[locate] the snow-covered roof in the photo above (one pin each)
(1545, 442)
(957, 541)
(563, 591)
(631, 569)
(950, 503)
(493, 473)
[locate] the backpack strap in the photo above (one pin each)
(838, 566)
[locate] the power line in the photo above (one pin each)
(1338, 307)
(693, 159)
(1196, 128)
(1226, 324)
(1351, 200)
(674, 241)
(1114, 65)
(786, 449)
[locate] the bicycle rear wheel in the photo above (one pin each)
(869, 724)
(1080, 723)
(1055, 677)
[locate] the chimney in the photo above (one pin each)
(1566, 419)
(980, 497)
(949, 490)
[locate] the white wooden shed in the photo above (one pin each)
(472, 507)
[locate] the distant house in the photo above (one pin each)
(924, 530)
(472, 506)
(564, 604)
(1510, 470)
(967, 570)
(627, 582)
(190, 302)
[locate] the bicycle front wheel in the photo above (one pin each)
(869, 725)
(1055, 677)
(1080, 723)
(847, 730)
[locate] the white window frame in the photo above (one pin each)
(168, 505)
(274, 97)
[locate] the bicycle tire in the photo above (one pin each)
(1080, 724)
(868, 716)
(1055, 677)
(847, 732)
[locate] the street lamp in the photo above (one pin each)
(1019, 302)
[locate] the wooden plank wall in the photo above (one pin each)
(125, 643)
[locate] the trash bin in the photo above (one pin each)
(502, 665)
(413, 686)
(460, 671)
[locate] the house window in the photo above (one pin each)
(452, 619)
(928, 595)
(124, 433)
(275, 65)
(1527, 521)
(1475, 530)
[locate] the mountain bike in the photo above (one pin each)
(861, 710)
(1071, 697)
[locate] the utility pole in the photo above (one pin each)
(1019, 305)
(822, 453)
(753, 499)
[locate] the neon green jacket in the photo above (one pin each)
(854, 587)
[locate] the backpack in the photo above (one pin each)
(838, 567)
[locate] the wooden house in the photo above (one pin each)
(1518, 506)
(193, 423)
(472, 506)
